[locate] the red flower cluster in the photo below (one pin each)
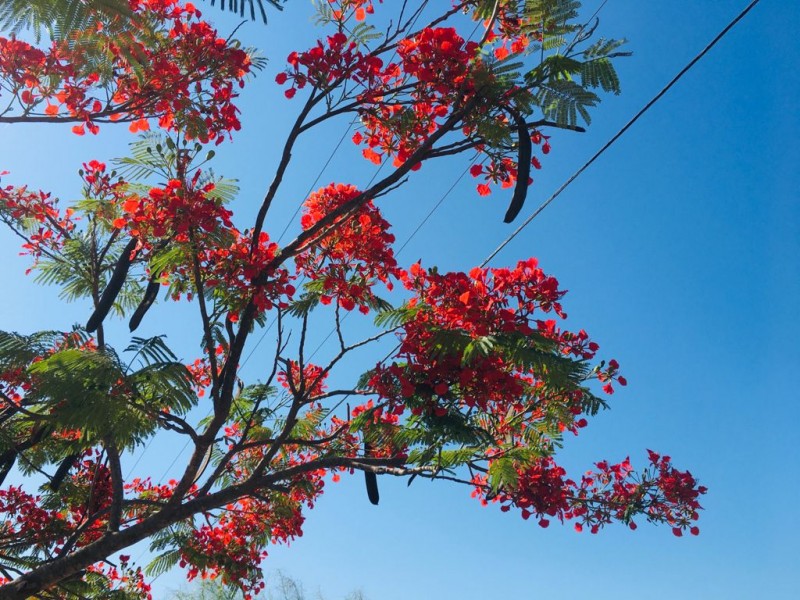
(353, 255)
(98, 184)
(153, 494)
(503, 169)
(92, 482)
(190, 82)
(378, 428)
(234, 269)
(309, 383)
(541, 490)
(323, 64)
(438, 64)
(662, 494)
(20, 209)
(342, 9)
(230, 545)
(200, 371)
(173, 211)
(123, 581)
(24, 520)
(483, 303)
(441, 59)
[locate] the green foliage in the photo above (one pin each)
(240, 5)
(502, 473)
(167, 545)
(324, 14)
(74, 388)
(60, 17)
(81, 262)
(362, 33)
(389, 318)
(281, 587)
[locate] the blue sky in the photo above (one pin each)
(680, 249)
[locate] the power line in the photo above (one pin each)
(572, 178)
(283, 232)
(319, 176)
(625, 128)
(402, 247)
(311, 187)
(408, 239)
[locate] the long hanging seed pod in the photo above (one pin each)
(150, 295)
(62, 471)
(114, 286)
(371, 479)
(523, 169)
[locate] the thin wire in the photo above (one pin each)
(619, 134)
(311, 188)
(435, 207)
(319, 176)
(408, 239)
(285, 229)
(424, 220)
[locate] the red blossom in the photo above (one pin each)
(192, 74)
(354, 255)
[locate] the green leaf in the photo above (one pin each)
(389, 317)
(481, 346)
(502, 473)
(163, 563)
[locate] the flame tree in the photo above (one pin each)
(484, 382)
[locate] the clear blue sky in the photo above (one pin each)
(681, 251)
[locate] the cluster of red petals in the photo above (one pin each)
(22, 209)
(541, 490)
(509, 32)
(359, 9)
(99, 184)
(335, 59)
(124, 581)
(377, 428)
(504, 170)
(25, 519)
(237, 270)
(485, 302)
(154, 494)
(201, 373)
(404, 102)
(29, 73)
(192, 74)
(230, 546)
(354, 255)
(173, 211)
(308, 381)
(615, 492)
(95, 479)
(440, 63)
(437, 63)
(440, 58)
(377, 414)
